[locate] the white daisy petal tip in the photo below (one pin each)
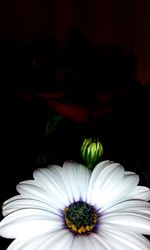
(71, 200)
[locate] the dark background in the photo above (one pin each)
(64, 58)
(124, 22)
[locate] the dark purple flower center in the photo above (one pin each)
(80, 217)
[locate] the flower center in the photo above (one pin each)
(80, 217)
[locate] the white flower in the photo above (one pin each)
(72, 208)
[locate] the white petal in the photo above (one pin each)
(25, 203)
(122, 191)
(33, 191)
(128, 221)
(27, 243)
(76, 179)
(84, 242)
(130, 206)
(141, 192)
(95, 173)
(106, 181)
(113, 186)
(127, 240)
(61, 239)
(26, 222)
(50, 179)
(104, 242)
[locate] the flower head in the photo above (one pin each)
(72, 208)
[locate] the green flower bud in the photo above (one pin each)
(91, 151)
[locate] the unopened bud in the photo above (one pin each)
(91, 151)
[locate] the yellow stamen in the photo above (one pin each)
(81, 230)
